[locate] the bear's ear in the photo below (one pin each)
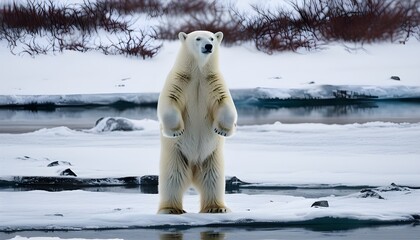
(182, 36)
(219, 36)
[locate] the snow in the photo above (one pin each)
(71, 79)
(72, 210)
(56, 238)
(72, 73)
(373, 153)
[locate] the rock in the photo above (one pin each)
(234, 181)
(393, 187)
(57, 163)
(149, 180)
(68, 172)
(110, 124)
(233, 184)
(369, 193)
(55, 215)
(98, 121)
(322, 203)
(24, 158)
(396, 78)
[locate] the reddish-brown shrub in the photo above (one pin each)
(309, 24)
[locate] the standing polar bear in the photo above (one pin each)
(195, 112)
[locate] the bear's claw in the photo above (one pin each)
(172, 211)
(178, 133)
(173, 133)
(220, 129)
(221, 132)
(216, 210)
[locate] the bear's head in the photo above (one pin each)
(201, 44)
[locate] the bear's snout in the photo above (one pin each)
(207, 48)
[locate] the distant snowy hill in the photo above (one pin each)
(92, 78)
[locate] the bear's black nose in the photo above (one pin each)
(208, 47)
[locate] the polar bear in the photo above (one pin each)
(196, 112)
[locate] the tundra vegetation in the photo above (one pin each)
(138, 28)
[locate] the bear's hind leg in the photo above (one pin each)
(174, 179)
(210, 182)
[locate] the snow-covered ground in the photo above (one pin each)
(90, 77)
(374, 153)
(72, 210)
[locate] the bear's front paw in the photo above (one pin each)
(223, 131)
(225, 120)
(171, 133)
(216, 210)
(172, 123)
(171, 211)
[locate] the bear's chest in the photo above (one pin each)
(198, 140)
(197, 100)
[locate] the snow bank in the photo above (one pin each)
(240, 96)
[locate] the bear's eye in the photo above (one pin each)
(211, 39)
(198, 39)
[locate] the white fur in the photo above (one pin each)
(196, 112)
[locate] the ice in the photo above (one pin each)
(57, 238)
(72, 210)
(375, 153)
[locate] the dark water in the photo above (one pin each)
(242, 233)
(20, 120)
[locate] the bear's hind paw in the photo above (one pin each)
(216, 210)
(171, 211)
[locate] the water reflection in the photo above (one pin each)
(333, 114)
(207, 235)
(402, 231)
(21, 120)
(12, 120)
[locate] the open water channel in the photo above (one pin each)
(25, 120)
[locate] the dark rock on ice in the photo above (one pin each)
(234, 181)
(396, 78)
(98, 121)
(58, 163)
(149, 184)
(233, 184)
(149, 180)
(55, 215)
(393, 187)
(110, 124)
(369, 193)
(322, 203)
(68, 172)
